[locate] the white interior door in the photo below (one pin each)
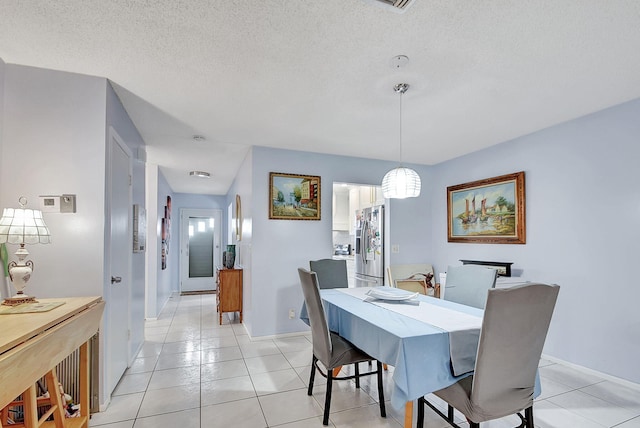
(200, 254)
(118, 289)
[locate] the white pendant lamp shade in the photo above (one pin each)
(401, 183)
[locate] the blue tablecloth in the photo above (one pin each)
(419, 352)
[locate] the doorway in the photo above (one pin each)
(349, 202)
(200, 255)
(118, 287)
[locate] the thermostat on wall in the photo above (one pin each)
(50, 204)
(58, 204)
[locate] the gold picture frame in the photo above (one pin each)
(238, 219)
(489, 211)
(294, 196)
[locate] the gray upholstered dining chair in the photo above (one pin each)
(513, 332)
(468, 284)
(331, 349)
(331, 273)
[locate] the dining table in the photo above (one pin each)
(431, 343)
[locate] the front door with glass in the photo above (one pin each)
(199, 249)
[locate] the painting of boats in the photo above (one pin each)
(488, 211)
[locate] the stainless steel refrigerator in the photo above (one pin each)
(370, 247)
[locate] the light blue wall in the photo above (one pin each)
(243, 186)
(279, 247)
(583, 232)
(118, 118)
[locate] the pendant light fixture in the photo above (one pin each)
(401, 182)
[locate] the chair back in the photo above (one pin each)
(514, 329)
(317, 319)
(411, 277)
(331, 273)
(468, 284)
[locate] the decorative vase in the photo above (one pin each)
(230, 257)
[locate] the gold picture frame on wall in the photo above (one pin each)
(294, 196)
(489, 211)
(238, 219)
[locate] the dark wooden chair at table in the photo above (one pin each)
(514, 328)
(331, 349)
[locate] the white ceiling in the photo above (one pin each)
(316, 75)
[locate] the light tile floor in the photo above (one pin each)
(193, 373)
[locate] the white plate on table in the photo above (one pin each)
(389, 293)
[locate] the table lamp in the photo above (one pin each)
(22, 226)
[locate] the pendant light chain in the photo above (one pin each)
(401, 94)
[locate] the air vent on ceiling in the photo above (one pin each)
(394, 5)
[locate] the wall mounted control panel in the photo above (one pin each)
(58, 203)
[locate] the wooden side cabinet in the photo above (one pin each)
(229, 298)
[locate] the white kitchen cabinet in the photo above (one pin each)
(354, 205)
(370, 196)
(341, 210)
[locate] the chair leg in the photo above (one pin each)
(383, 410)
(450, 412)
(474, 425)
(356, 368)
(528, 414)
(312, 375)
(327, 399)
(420, 417)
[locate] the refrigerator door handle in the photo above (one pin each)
(366, 279)
(364, 246)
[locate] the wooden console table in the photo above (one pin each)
(32, 344)
(229, 292)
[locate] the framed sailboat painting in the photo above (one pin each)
(489, 211)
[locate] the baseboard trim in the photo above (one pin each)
(592, 372)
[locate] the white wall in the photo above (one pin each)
(152, 255)
(583, 206)
(4, 284)
(54, 143)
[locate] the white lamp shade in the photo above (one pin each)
(401, 183)
(23, 226)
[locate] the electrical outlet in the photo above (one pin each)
(292, 314)
(395, 248)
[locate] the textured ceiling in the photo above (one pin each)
(317, 75)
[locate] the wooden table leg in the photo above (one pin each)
(408, 414)
(84, 383)
(57, 406)
(30, 407)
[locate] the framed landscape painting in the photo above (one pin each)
(490, 211)
(294, 197)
